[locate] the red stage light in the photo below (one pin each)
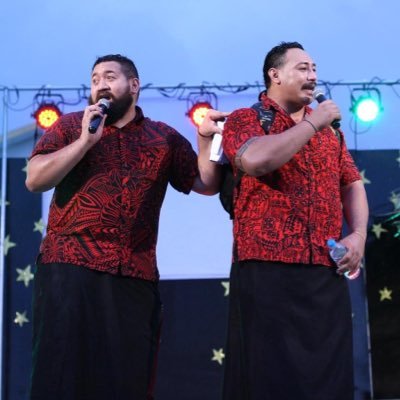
(198, 112)
(46, 115)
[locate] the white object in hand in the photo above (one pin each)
(216, 152)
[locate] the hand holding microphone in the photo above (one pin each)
(330, 108)
(104, 104)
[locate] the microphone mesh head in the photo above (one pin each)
(105, 103)
(317, 93)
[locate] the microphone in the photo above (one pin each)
(104, 104)
(320, 97)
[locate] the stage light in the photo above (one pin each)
(47, 114)
(198, 112)
(367, 107)
(198, 103)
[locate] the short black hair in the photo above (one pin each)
(276, 57)
(128, 67)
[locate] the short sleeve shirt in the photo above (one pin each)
(104, 214)
(288, 215)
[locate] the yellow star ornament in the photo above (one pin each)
(364, 178)
(225, 284)
(378, 230)
(8, 244)
(21, 319)
(25, 275)
(395, 199)
(25, 169)
(218, 356)
(39, 226)
(386, 294)
(7, 203)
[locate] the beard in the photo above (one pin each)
(118, 105)
(307, 100)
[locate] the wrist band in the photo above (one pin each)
(205, 136)
(360, 234)
(315, 129)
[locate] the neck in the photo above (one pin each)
(295, 110)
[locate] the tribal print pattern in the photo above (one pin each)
(287, 215)
(105, 212)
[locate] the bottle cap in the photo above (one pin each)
(331, 243)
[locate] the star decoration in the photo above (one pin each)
(225, 284)
(39, 226)
(378, 230)
(25, 275)
(7, 203)
(364, 179)
(218, 356)
(21, 319)
(386, 294)
(395, 199)
(8, 244)
(25, 169)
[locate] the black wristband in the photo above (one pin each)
(315, 129)
(204, 136)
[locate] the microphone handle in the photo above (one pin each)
(320, 97)
(95, 122)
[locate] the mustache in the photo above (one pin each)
(104, 95)
(309, 86)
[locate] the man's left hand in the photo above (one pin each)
(209, 125)
(351, 261)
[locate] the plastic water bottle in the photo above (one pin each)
(337, 251)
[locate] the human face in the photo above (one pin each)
(109, 82)
(296, 78)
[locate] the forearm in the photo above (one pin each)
(355, 207)
(47, 170)
(209, 177)
(268, 153)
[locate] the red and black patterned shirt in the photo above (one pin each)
(104, 214)
(288, 215)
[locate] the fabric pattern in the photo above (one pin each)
(288, 214)
(105, 213)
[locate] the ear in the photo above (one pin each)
(135, 85)
(273, 74)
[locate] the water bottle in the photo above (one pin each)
(337, 251)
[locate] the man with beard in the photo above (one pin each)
(96, 304)
(290, 329)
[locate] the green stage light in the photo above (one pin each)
(367, 107)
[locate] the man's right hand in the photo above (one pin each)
(323, 115)
(91, 112)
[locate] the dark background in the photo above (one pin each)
(195, 311)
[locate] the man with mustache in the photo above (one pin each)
(96, 303)
(290, 328)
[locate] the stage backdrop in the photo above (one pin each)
(195, 310)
